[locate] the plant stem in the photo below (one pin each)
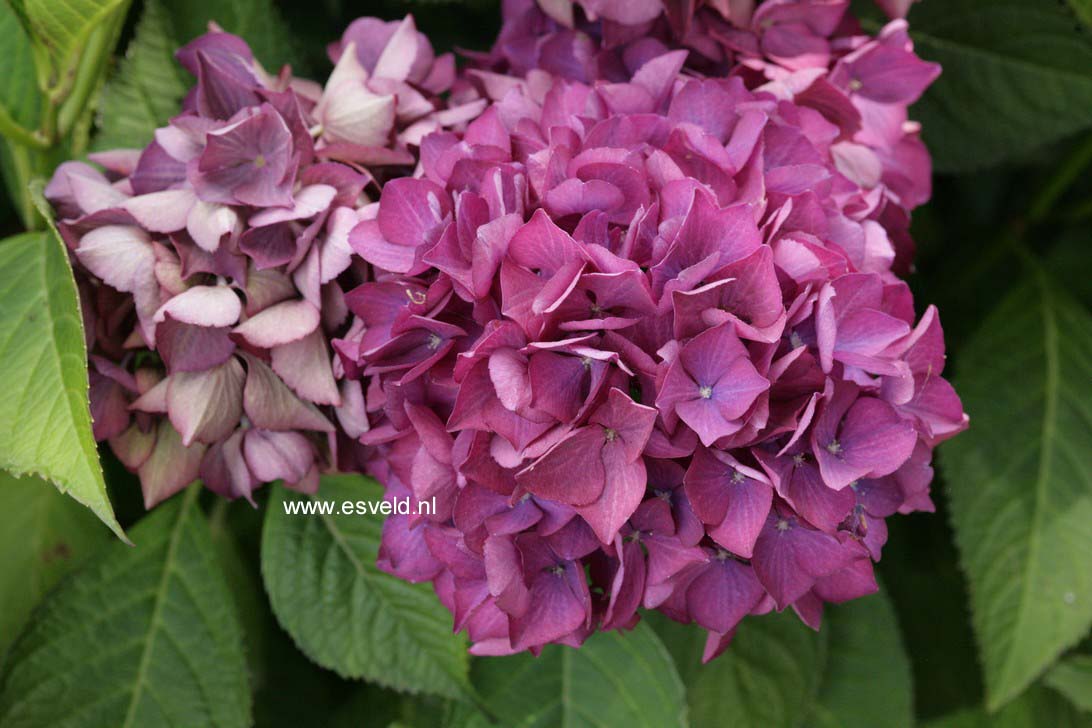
(19, 134)
(90, 75)
(22, 169)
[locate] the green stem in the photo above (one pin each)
(89, 77)
(19, 134)
(1070, 170)
(23, 169)
(47, 128)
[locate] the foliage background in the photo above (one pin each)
(215, 618)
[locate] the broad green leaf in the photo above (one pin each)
(148, 87)
(613, 679)
(19, 100)
(18, 88)
(1036, 708)
(141, 636)
(1020, 483)
(1083, 9)
(246, 587)
(60, 32)
(864, 649)
(1017, 75)
(257, 21)
(768, 677)
(344, 613)
(45, 422)
(1072, 677)
(43, 536)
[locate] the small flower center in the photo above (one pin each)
(434, 342)
(783, 525)
(834, 447)
(706, 392)
(664, 495)
(259, 161)
(586, 361)
(795, 341)
(799, 458)
(557, 570)
(855, 84)
(737, 477)
(610, 434)
(722, 555)
(855, 485)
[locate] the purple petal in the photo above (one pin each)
(623, 491)
(572, 471)
(723, 593)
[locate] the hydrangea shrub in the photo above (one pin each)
(545, 361)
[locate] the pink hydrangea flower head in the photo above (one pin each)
(639, 332)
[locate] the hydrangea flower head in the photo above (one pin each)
(640, 335)
(211, 262)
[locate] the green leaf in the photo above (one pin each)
(1072, 677)
(19, 100)
(1083, 9)
(18, 89)
(148, 88)
(1017, 75)
(613, 679)
(864, 649)
(258, 22)
(60, 32)
(45, 423)
(1037, 707)
(344, 613)
(769, 675)
(141, 636)
(1020, 483)
(44, 535)
(246, 587)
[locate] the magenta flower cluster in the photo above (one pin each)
(637, 331)
(211, 262)
(621, 299)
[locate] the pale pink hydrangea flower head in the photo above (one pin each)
(211, 263)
